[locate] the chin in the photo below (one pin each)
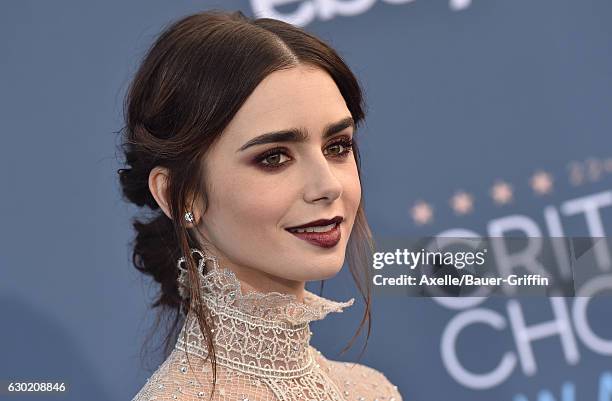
(322, 273)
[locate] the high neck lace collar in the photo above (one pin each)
(263, 334)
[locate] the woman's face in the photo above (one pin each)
(255, 195)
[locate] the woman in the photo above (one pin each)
(239, 135)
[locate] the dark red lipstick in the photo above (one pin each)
(319, 233)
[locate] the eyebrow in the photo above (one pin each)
(297, 134)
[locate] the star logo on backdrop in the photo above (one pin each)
(422, 213)
(462, 202)
(501, 192)
(541, 183)
(576, 176)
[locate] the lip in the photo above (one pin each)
(320, 222)
(327, 239)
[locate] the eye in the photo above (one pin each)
(273, 158)
(341, 148)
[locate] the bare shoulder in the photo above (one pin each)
(357, 380)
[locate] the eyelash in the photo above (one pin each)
(346, 142)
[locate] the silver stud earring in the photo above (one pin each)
(189, 217)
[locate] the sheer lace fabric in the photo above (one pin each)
(263, 351)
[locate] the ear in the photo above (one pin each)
(158, 182)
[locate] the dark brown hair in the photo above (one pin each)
(189, 86)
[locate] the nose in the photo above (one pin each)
(322, 182)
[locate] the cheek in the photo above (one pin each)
(249, 204)
(352, 189)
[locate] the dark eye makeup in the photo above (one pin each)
(269, 159)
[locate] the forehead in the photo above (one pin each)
(298, 97)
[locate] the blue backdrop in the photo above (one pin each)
(480, 113)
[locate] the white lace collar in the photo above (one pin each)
(263, 334)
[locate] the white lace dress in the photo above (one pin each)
(263, 351)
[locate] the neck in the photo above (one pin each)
(252, 280)
(257, 333)
(263, 333)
